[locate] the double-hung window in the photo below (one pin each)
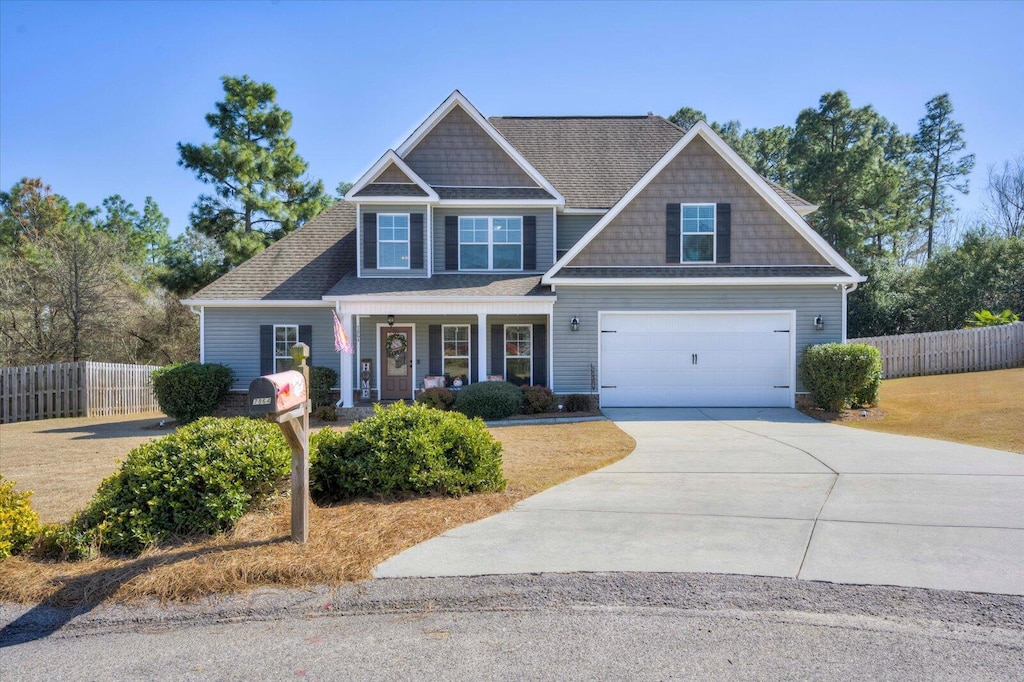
(393, 241)
(456, 351)
(285, 336)
(491, 243)
(698, 237)
(519, 354)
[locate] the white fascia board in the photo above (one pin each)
(584, 211)
(504, 203)
(746, 172)
(806, 210)
(256, 303)
(395, 200)
(699, 281)
(458, 99)
(389, 157)
(448, 305)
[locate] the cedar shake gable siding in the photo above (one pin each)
(458, 152)
(760, 235)
(393, 174)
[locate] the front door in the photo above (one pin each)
(396, 374)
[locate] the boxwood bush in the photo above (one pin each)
(198, 480)
(191, 390)
(489, 400)
(321, 381)
(577, 402)
(405, 448)
(19, 523)
(537, 399)
(838, 375)
(439, 398)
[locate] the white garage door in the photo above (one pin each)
(725, 359)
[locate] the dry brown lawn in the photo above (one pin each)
(977, 408)
(346, 541)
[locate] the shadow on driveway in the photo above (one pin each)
(137, 428)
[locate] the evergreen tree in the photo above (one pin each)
(260, 192)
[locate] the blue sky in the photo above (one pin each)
(94, 96)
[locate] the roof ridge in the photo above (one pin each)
(578, 117)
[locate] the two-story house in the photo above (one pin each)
(612, 255)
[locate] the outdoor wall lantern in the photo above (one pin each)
(574, 323)
(819, 323)
(391, 320)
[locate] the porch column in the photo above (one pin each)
(482, 332)
(347, 362)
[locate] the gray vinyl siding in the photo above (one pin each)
(395, 208)
(545, 230)
(233, 337)
(571, 229)
(421, 341)
(575, 352)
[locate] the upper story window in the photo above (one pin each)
(285, 336)
(698, 233)
(393, 241)
(491, 243)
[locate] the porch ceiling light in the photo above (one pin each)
(391, 320)
(574, 324)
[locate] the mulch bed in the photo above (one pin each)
(856, 414)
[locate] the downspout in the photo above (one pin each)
(202, 330)
(846, 290)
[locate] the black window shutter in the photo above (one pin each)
(451, 242)
(498, 349)
(370, 240)
(540, 355)
(723, 236)
(673, 229)
(306, 337)
(474, 353)
(434, 363)
(530, 242)
(416, 241)
(266, 349)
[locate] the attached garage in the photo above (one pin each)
(697, 359)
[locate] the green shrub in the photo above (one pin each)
(321, 381)
(537, 399)
(489, 400)
(838, 375)
(19, 523)
(326, 413)
(439, 398)
(70, 541)
(189, 391)
(577, 402)
(405, 448)
(199, 480)
(987, 318)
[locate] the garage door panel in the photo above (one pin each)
(742, 359)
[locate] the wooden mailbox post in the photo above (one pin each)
(284, 399)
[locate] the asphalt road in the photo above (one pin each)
(576, 626)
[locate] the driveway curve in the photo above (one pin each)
(761, 492)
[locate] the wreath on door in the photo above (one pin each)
(395, 345)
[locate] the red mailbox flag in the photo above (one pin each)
(341, 342)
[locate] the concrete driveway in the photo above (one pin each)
(761, 492)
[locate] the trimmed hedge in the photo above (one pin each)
(19, 523)
(838, 375)
(198, 480)
(438, 397)
(405, 448)
(537, 399)
(321, 381)
(577, 402)
(490, 400)
(191, 390)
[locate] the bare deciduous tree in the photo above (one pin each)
(1006, 197)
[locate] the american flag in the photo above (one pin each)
(341, 342)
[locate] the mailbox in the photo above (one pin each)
(276, 392)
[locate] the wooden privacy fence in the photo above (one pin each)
(958, 350)
(75, 389)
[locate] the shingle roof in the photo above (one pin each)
(492, 193)
(391, 189)
(702, 271)
(441, 285)
(790, 198)
(301, 266)
(591, 161)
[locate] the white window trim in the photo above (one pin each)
(407, 241)
(713, 233)
(469, 348)
(288, 356)
(504, 340)
(491, 243)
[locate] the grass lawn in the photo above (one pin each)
(346, 541)
(977, 408)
